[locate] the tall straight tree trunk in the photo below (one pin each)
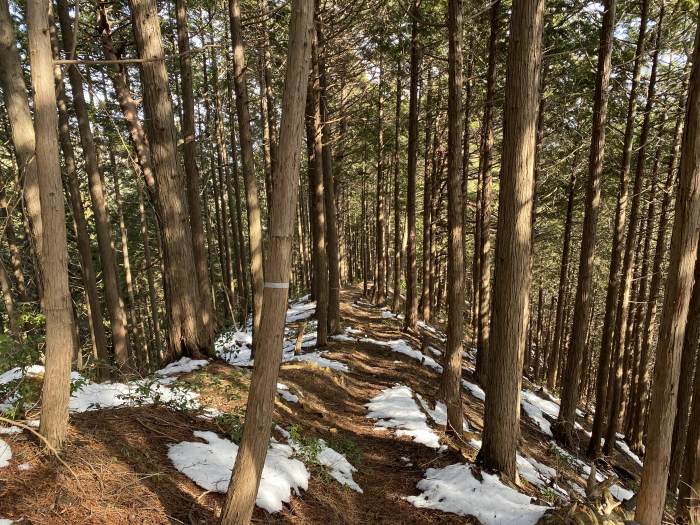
(150, 279)
(688, 509)
(426, 298)
(683, 252)
(396, 296)
(329, 188)
(513, 247)
(564, 426)
(685, 386)
(452, 373)
(54, 256)
(621, 349)
(192, 173)
(607, 338)
(185, 332)
(16, 102)
(9, 303)
(411, 314)
(552, 364)
(70, 180)
(314, 141)
(485, 160)
(644, 380)
(247, 164)
(380, 218)
(247, 470)
(115, 303)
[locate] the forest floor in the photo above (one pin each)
(126, 453)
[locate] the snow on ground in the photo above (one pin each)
(10, 430)
(400, 346)
(5, 453)
(183, 366)
(430, 328)
(474, 389)
(209, 465)
(439, 413)
(395, 408)
(301, 309)
(283, 391)
(5, 521)
(337, 464)
(626, 449)
(318, 359)
(95, 396)
(455, 489)
(617, 491)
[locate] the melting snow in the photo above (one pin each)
(402, 347)
(183, 366)
(209, 465)
(5, 453)
(395, 408)
(337, 464)
(474, 389)
(439, 413)
(96, 396)
(300, 310)
(283, 391)
(627, 450)
(455, 489)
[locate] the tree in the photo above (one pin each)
(411, 315)
(256, 433)
(452, 372)
(192, 174)
(513, 246)
(572, 379)
(54, 257)
(185, 334)
(683, 252)
(251, 187)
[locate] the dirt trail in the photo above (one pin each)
(121, 472)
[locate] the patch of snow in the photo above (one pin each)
(96, 396)
(395, 408)
(5, 453)
(5, 521)
(10, 430)
(300, 310)
(400, 346)
(627, 450)
(474, 389)
(183, 366)
(318, 359)
(439, 413)
(283, 391)
(209, 465)
(430, 328)
(455, 489)
(337, 464)
(24, 466)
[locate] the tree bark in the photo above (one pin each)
(683, 252)
(411, 315)
(513, 248)
(485, 161)
(192, 174)
(247, 164)
(329, 188)
(115, 303)
(452, 372)
(607, 338)
(256, 433)
(553, 362)
(181, 290)
(396, 295)
(623, 305)
(314, 141)
(54, 255)
(16, 102)
(564, 426)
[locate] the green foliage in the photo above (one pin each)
(232, 425)
(308, 447)
(349, 448)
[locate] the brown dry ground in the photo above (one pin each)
(120, 473)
